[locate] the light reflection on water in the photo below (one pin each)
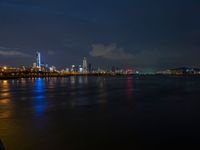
(56, 110)
(130, 87)
(77, 91)
(39, 100)
(5, 101)
(38, 96)
(102, 94)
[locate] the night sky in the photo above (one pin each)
(144, 34)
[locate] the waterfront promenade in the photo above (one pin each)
(36, 74)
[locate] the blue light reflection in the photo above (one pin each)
(39, 97)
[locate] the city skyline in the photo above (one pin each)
(86, 67)
(144, 35)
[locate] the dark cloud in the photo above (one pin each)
(8, 52)
(111, 52)
(13, 53)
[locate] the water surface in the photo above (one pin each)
(99, 112)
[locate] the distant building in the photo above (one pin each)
(67, 69)
(73, 68)
(80, 69)
(113, 69)
(85, 65)
(129, 71)
(34, 65)
(52, 68)
(137, 72)
(180, 71)
(38, 60)
(90, 68)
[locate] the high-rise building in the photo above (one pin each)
(67, 69)
(38, 60)
(80, 69)
(73, 68)
(34, 65)
(52, 68)
(90, 68)
(113, 69)
(85, 65)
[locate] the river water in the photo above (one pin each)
(100, 112)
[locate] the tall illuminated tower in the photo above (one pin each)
(85, 65)
(38, 60)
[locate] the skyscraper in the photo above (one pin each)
(38, 60)
(34, 65)
(89, 68)
(85, 65)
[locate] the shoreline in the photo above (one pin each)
(92, 75)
